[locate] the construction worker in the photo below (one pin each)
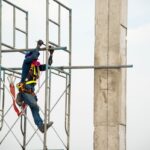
(30, 73)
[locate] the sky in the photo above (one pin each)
(138, 97)
(138, 124)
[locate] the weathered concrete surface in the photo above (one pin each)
(110, 85)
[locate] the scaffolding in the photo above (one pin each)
(6, 72)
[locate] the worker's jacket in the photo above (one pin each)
(31, 69)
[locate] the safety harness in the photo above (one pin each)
(33, 75)
(22, 89)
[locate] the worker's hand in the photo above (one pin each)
(40, 42)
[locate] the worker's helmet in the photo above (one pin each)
(40, 42)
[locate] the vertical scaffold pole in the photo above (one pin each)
(59, 22)
(69, 101)
(27, 30)
(0, 42)
(14, 25)
(25, 119)
(46, 75)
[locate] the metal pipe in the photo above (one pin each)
(46, 75)
(66, 107)
(0, 37)
(35, 132)
(59, 137)
(9, 130)
(60, 48)
(53, 22)
(21, 127)
(49, 94)
(58, 74)
(27, 30)
(54, 44)
(24, 131)
(25, 119)
(59, 27)
(69, 97)
(95, 67)
(59, 98)
(30, 49)
(13, 133)
(10, 70)
(62, 5)
(33, 129)
(15, 6)
(123, 26)
(14, 26)
(8, 46)
(0, 42)
(10, 74)
(3, 101)
(20, 30)
(59, 69)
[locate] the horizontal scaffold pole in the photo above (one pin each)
(10, 70)
(31, 49)
(96, 67)
(8, 2)
(85, 67)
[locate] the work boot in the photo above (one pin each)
(41, 128)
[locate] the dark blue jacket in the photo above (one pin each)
(32, 55)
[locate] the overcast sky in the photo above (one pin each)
(138, 100)
(138, 83)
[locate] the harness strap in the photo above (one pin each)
(30, 82)
(22, 89)
(29, 92)
(34, 72)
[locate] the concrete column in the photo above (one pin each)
(110, 84)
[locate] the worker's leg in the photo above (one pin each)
(32, 102)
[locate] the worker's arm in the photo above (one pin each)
(32, 56)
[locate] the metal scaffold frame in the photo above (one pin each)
(49, 71)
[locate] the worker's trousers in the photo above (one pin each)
(32, 102)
